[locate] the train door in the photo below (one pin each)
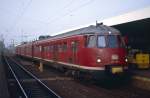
(74, 49)
(41, 51)
(32, 51)
(25, 50)
(55, 52)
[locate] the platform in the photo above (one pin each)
(141, 79)
(3, 82)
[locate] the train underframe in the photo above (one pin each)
(110, 72)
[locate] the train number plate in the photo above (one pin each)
(117, 70)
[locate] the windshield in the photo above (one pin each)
(114, 41)
(101, 41)
(91, 41)
(111, 41)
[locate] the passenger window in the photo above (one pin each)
(44, 49)
(91, 41)
(64, 46)
(51, 48)
(74, 46)
(47, 48)
(60, 48)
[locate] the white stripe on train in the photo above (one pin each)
(71, 65)
(74, 65)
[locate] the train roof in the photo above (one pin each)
(100, 29)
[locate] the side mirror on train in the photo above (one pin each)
(125, 39)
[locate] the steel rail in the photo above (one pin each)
(39, 81)
(23, 91)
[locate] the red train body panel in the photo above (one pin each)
(93, 48)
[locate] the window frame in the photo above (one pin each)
(88, 39)
(64, 47)
(120, 43)
(74, 46)
(106, 42)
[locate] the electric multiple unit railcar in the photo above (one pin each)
(95, 50)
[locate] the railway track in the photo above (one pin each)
(29, 85)
(70, 88)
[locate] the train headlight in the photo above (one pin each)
(98, 60)
(126, 60)
(109, 32)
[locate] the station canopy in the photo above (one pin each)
(136, 26)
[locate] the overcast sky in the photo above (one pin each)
(23, 20)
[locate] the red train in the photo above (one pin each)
(95, 51)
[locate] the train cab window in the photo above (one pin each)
(115, 41)
(112, 41)
(121, 42)
(91, 41)
(101, 41)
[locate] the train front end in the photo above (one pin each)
(106, 54)
(111, 54)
